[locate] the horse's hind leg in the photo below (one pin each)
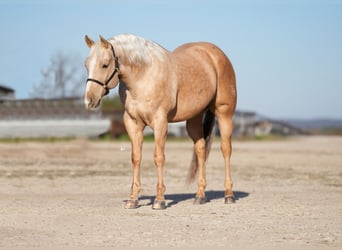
(224, 117)
(195, 131)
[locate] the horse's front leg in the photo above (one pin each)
(160, 134)
(134, 130)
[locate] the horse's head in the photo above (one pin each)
(103, 71)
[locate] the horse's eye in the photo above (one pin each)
(104, 66)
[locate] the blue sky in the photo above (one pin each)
(287, 54)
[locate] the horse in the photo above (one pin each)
(194, 83)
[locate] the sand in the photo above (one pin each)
(72, 193)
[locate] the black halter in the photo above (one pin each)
(116, 70)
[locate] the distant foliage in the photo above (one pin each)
(64, 77)
(111, 103)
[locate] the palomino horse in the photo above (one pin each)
(194, 83)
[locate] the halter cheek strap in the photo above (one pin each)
(116, 70)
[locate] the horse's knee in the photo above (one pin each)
(159, 160)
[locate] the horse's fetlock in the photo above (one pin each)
(135, 189)
(136, 162)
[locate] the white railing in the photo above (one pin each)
(52, 128)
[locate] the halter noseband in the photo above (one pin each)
(116, 70)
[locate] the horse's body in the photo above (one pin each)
(196, 82)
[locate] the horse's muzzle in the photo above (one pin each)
(90, 104)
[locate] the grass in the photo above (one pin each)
(262, 138)
(269, 137)
(331, 131)
(40, 139)
(125, 138)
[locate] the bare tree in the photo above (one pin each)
(64, 77)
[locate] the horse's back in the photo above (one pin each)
(206, 57)
(198, 49)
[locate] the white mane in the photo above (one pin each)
(137, 50)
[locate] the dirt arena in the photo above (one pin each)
(289, 193)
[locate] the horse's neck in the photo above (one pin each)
(140, 64)
(137, 76)
(132, 75)
(129, 71)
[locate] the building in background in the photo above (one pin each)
(250, 124)
(34, 118)
(68, 117)
(6, 93)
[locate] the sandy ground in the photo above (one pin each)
(72, 194)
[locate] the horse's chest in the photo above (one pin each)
(132, 108)
(139, 110)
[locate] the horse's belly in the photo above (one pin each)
(186, 110)
(194, 95)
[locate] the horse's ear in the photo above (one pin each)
(105, 44)
(88, 41)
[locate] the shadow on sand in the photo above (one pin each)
(174, 199)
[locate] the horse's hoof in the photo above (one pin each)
(229, 200)
(200, 200)
(131, 204)
(159, 205)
